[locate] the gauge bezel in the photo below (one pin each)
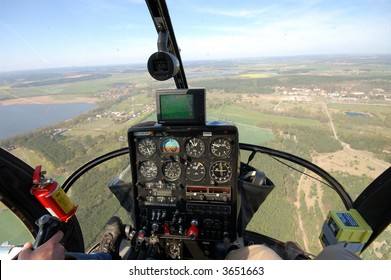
(221, 178)
(146, 141)
(163, 147)
(154, 169)
(178, 170)
(228, 147)
(199, 152)
(192, 176)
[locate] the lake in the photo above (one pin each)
(17, 119)
(356, 114)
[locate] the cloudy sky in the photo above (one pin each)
(46, 33)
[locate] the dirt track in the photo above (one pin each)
(347, 160)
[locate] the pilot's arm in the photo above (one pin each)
(50, 250)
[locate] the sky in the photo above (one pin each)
(47, 34)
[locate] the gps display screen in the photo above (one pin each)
(177, 106)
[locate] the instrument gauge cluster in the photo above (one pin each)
(191, 157)
(184, 174)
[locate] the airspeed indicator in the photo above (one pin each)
(147, 147)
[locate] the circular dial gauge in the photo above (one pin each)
(194, 147)
(174, 251)
(148, 169)
(220, 171)
(220, 147)
(170, 145)
(195, 171)
(147, 147)
(172, 170)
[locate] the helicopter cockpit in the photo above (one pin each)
(189, 186)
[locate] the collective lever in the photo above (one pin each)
(48, 226)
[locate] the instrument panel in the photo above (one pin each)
(185, 180)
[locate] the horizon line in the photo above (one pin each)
(193, 61)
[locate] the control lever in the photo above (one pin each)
(48, 226)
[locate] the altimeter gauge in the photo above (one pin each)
(220, 147)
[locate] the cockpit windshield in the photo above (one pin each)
(310, 78)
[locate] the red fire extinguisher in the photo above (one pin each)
(52, 196)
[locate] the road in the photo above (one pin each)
(301, 185)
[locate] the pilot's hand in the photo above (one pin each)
(50, 250)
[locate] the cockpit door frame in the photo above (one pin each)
(15, 184)
(374, 204)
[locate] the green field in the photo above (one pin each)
(12, 230)
(33, 159)
(235, 113)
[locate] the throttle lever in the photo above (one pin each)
(48, 226)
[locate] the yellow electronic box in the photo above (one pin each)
(347, 229)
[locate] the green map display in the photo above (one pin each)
(176, 106)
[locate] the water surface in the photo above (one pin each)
(17, 119)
